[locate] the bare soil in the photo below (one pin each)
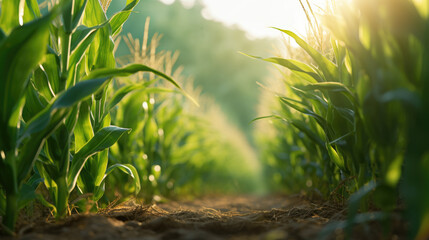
(244, 217)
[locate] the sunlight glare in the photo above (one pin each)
(255, 16)
(188, 3)
(145, 106)
(167, 2)
(160, 132)
(151, 178)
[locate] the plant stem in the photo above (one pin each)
(11, 211)
(65, 55)
(63, 197)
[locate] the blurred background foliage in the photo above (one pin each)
(177, 147)
(209, 52)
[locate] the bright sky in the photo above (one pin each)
(256, 16)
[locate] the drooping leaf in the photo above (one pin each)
(307, 111)
(128, 169)
(134, 68)
(103, 139)
(307, 72)
(42, 84)
(331, 86)
(64, 101)
(328, 68)
(42, 125)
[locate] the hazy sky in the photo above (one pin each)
(256, 16)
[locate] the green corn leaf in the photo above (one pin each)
(334, 87)
(121, 93)
(35, 103)
(118, 20)
(83, 131)
(78, 9)
(354, 203)
(318, 100)
(51, 67)
(90, 178)
(20, 53)
(31, 11)
(81, 40)
(303, 127)
(64, 101)
(406, 97)
(72, 14)
(267, 117)
(56, 148)
(43, 124)
(329, 86)
(71, 120)
(99, 166)
(103, 139)
(128, 169)
(320, 120)
(335, 157)
(47, 204)
(9, 17)
(295, 66)
(300, 125)
(328, 68)
(81, 33)
(131, 69)
(100, 53)
(95, 168)
(41, 82)
(94, 14)
(67, 17)
(28, 190)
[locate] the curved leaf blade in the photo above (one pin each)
(328, 68)
(293, 65)
(64, 101)
(103, 139)
(127, 169)
(134, 68)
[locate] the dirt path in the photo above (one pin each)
(267, 218)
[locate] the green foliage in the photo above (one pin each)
(58, 103)
(356, 111)
(174, 146)
(56, 72)
(208, 52)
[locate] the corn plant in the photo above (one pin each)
(359, 108)
(174, 147)
(56, 72)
